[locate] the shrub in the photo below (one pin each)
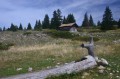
(10, 44)
(62, 34)
(114, 27)
(5, 46)
(27, 33)
(69, 35)
(85, 38)
(59, 34)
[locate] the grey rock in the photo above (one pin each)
(104, 61)
(101, 71)
(101, 61)
(101, 68)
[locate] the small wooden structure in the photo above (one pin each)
(72, 27)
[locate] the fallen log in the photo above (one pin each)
(89, 62)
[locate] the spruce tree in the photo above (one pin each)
(20, 27)
(55, 21)
(29, 27)
(98, 23)
(13, 27)
(107, 20)
(119, 23)
(0, 29)
(85, 21)
(46, 22)
(70, 18)
(64, 20)
(39, 27)
(4, 29)
(36, 25)
(91, 23)
(59, 14)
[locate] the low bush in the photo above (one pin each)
(5, 46)
(62, 34)
(10, 44)
(85, 38)
(69, 35)
(27, 33)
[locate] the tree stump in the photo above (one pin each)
(90, 47)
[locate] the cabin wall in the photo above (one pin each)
(65, 28)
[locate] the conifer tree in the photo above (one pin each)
(59, 14)
(91, 23)
(119, 23)
(70, 18)
(29, 27)
(55, 21)
(64, 20)
(98, 23)
(0, 29)
(107, 20)
(36, 25)
(85, 21)
(13, 27)
(4, 29)
(39, 25)
(20, 27)
(46, 22)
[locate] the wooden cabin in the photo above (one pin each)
(72, 27)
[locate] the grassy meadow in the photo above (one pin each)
(48, 49)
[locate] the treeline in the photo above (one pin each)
(57, 19)
(107, 23)
(47, 23)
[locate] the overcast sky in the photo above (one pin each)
(24, 11)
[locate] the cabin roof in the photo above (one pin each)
(67, 25)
